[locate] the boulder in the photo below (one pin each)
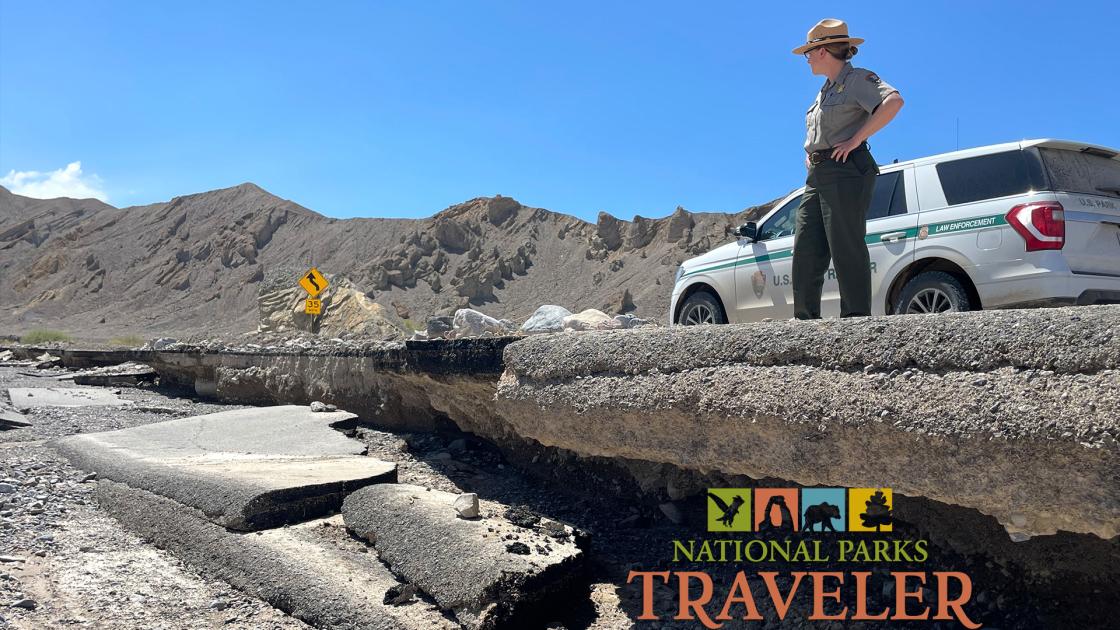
(546, 319)
(630, 321)
(163, 343)
(590, 319)
(471, 323)
(466, 505)
(440, 327)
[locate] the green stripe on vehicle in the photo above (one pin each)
(778, 255)
(963, 225)
(877, 237)
(933, 229)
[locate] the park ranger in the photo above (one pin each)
(853, 104)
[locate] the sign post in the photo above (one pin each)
(314, 283)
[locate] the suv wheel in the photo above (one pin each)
(933, 292)
(701, 308)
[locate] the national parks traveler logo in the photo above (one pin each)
(837, 559)
(729, 510)
(787, 510)
(870, 509)
(776, 510)
(826, 509)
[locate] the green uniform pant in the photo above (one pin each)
(831, 224)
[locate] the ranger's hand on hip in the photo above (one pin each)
(840, 152)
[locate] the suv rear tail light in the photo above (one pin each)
(1042, 225)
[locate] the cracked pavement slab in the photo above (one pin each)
(485, 570)
(245, 469)
(27, 398)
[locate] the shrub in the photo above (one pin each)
(43, 335)
(128, 341)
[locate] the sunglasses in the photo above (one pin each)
(809, 53)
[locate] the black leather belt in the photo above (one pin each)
(816, 157)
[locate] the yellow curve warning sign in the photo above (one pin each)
(313, 282)
(313, 306)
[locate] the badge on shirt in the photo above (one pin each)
(874, 78)
(840, 90)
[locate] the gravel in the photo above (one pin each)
(67, 564)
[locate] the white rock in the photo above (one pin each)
(471, 323)
(630, 321)
(466, 505)
(591, 319)
(161, 344)
(546, 319)
(322, 407)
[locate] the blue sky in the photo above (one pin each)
(403, 108)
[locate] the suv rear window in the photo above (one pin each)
(990, 176)
(1087, 173)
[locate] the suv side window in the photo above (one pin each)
(988, 177)
(889, 197)
(781, 223)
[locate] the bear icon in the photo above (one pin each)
(821, 513)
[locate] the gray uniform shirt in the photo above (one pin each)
(841, 108)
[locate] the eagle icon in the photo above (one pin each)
(729, 511)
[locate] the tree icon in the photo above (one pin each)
(878, 512)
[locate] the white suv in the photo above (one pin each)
(1032, 223)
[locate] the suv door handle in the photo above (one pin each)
(892, 236)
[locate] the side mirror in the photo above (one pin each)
(748, 230)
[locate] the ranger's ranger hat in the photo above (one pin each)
(827, 31)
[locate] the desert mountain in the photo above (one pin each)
(197, 263)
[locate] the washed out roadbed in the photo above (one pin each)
(67, 564)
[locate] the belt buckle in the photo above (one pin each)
(815, 157)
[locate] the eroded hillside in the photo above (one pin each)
(197, 263)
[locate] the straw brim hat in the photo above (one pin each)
(827, 31)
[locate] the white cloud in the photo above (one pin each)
(65, 182)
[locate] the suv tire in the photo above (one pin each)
(932, 292)
(701, 308)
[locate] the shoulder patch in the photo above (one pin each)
(874, 78)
